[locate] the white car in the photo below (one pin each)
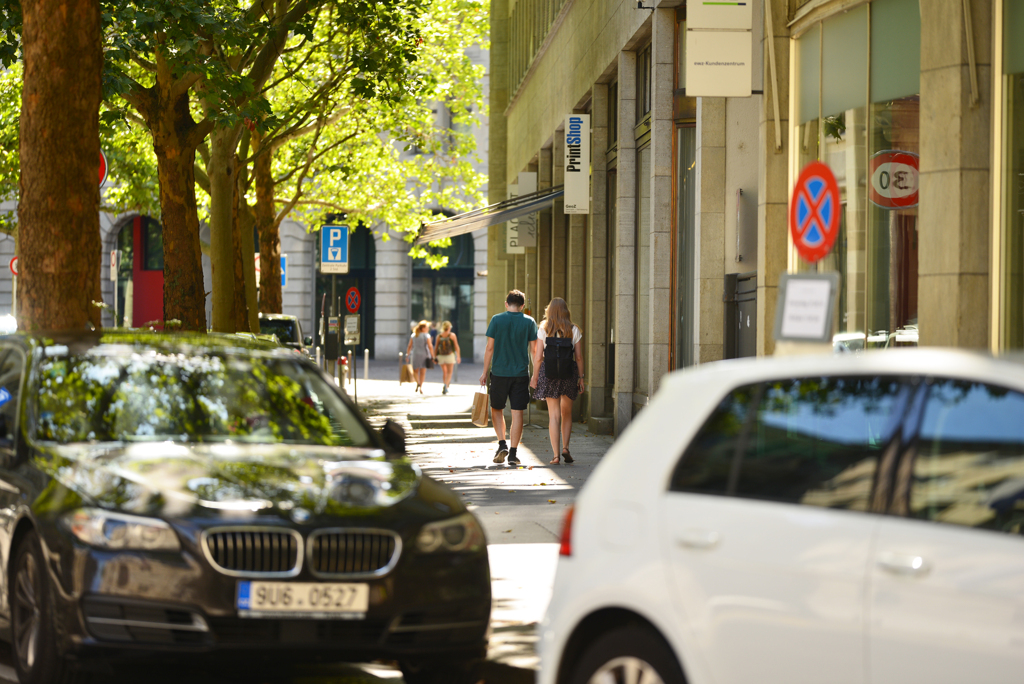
(852, 519)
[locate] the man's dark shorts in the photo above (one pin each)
(517, 390)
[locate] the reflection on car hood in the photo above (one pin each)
(228, 480)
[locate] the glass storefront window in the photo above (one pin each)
(686, 138)
(1012, 313)
(856, 104)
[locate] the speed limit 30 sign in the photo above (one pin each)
(894, 179)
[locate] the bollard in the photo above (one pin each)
(366, 364)
(455, 373)
(318, 356)
(351, 375)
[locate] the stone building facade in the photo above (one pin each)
(679, 259)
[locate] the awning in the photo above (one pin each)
(489, 216)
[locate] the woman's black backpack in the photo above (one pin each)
(558, 357)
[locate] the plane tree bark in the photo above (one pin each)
(59, 242)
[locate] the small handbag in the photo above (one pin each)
(429, 363)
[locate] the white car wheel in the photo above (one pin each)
(627, 655)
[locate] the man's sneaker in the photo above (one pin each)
(513, 460)
(500, 454)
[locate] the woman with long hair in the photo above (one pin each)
(559, 393)
(448, 353)
(422, 350)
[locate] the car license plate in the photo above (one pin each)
(336, 600)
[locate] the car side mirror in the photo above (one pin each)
(393, 435)
(308, 340)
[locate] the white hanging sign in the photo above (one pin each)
(719, 49)
(521, 232)
(577, 164)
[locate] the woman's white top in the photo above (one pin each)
(576, 335)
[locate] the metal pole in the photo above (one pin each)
(355, 390)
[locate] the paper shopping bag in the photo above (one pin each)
(406, 374)
(481, 407)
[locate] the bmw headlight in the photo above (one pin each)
(109, 530)
(461, 534)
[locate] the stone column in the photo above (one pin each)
(480, 290)
(773, 181)
(660, 282)
(544, 174)
(559, 222)
(709, 224)
(625, 258)
(497, 189)
(953, 283)
(392, 288)
(595, 332)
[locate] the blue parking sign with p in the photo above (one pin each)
(334, 249)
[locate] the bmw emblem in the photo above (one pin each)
(300, 515)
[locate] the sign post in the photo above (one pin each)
(334, 249)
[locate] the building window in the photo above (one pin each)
(643, 84)
(857, 104)
(1012, 190)
(152, 245)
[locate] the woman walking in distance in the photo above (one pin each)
(448, 353)
(422, 351)
(558, 373)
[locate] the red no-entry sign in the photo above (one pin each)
(103, 167)
(814, 212)
(14, 265)
(352, 300)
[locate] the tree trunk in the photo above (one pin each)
(184, 294)
(247, 222)
(270, 235)
(58, 211)
(238, 223)
(222, 244)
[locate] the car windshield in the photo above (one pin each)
(132, 396)
(285, 329)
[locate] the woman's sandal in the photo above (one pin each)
(567, 456)
(553, 461)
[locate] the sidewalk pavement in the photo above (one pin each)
(521, 509)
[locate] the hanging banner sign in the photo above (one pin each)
(895, 179)
(577, 164)
(719, 49)
(521, 232)
(720, 16)
(814, 212)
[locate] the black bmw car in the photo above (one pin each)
(201, 496)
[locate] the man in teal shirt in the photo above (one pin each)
(511, 342)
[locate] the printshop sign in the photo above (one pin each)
(577, 164)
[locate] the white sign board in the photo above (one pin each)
(512, 245)
(334, 249)
(352, 333)
(806, 303)
(718, 16)
(719, 63)
(577, 164)
(521, 232)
